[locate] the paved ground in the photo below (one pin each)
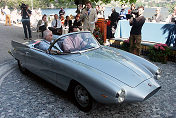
(24, 96)
(7, 34)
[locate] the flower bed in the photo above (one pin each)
(159, 53)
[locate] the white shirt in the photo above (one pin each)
(53, 23)
(43, 23)
(7, 11)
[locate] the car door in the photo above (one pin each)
(40, 63)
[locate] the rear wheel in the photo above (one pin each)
(21, 67)
(82, 98)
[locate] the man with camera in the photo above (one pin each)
(136, 22)
(26, 13)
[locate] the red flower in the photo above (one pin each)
(162, 48)
(96, 36)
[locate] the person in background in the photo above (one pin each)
(56, 26)
(99, 11)
(114, 20)
(2, 14)
(79, 9)
(61, 12)
(109, 31)
(172, 18)
(62, 19)
(135, 34)
(157, 17)
(42, 24)
(77, 23)
(68, 22)
(7, 13)
(131, 8)
(89, 17)
(14, 15)
(26, 14)
(123, 12)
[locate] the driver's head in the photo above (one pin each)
(47, 35)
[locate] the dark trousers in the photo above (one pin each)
(56, 31)
(42, 29)
(135, 44)
(26, 25)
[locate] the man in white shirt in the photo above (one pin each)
(56, 26)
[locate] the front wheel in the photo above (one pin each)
(82, 98)
(21, 67)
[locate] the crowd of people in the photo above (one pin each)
(85, 20)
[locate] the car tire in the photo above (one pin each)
(21, 67)
(82, 98)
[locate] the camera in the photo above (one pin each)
(23, 6)
(135, 12)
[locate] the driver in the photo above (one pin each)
(45, 44)
(73, 42)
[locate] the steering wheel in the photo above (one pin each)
(87, 40)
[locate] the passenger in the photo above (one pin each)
(72, 43)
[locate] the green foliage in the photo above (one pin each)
(171, 7)
(159, 53)
(56, 3)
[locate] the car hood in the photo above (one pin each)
(115, 65)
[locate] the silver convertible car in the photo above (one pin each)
(89, 71)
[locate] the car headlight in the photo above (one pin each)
(158, 74)
(121, 95)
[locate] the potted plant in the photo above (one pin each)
(159, 53)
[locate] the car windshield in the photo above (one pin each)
(77, 42)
